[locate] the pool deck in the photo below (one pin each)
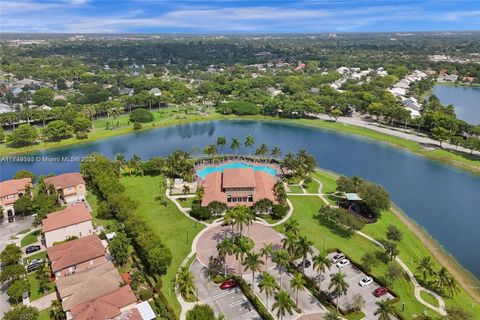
(206, 164)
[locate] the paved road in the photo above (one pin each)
(233, 304)
(8, 230)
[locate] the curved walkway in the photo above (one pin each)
(417, 287)
(189, 305)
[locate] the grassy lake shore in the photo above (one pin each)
(466, 279)
(171, 117)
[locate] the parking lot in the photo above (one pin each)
(231, 303)
(353, 277)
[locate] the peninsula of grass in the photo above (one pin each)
(429, 298)
(176, 230)
(30, 238)
(174, 116)
(311, 186)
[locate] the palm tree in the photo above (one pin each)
(452, 286)
(249, 142)
(242, 246)
(298, 283)
(267, 252)
(321, 262)
(210, 150)
(253, 262)
(241, 216)
(385, 310)
(304, 247)
(340, 286)
(235, 145)
(276, 152)
(283, 303)
(262, 151)
(332, 316)
(221, 143)
(185, 190)
(289, 243)
(291, 226)
(425, 267)
(120, 162)
(224, 248)
(442, 278)
(185, 282)
(268, 285)
(282, 259)
(358, 302)
(229, 219)
(249, 218)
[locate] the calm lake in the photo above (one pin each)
(441, 198)
(466, 101)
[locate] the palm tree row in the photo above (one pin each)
(441, 278)
(235, 144)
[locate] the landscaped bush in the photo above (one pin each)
(200, 213)
(141, 115)
(137, 126)
(145, 294)
(81, 135)
(239, 108)
(341, 219)
(279, 211)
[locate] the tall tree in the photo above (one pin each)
(425, 267)
(297, 283)
(185, 282)
(224, 248)
(282, 259)
(385, 310)
(304, 247)
(235, 145)
(321, 262)
(339, 285)
(221, 143)
(267, 252)
(283, 304)
(253, 262)
(249, 142)
(268, 285)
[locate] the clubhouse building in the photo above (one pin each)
(238, 186)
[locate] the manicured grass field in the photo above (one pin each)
(429, 298)
(311, 187)
(328, 181)
(34, 287)
(295, 189)
(44, 314)
(186, 202)
(30, 238)
(176, 230)
(40, 255)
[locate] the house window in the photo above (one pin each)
(79, 234)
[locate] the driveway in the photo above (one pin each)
(232, 303)
(8, 230)
(353, 276)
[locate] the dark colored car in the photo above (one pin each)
(307, 264)
(380, 291)
(31, 249)
(228, 284)
(34, 266)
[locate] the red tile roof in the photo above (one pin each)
(14, 186)
(65, 180)
(105, 307)
(215, 183)
(238, 178)
(75, 252)
(69, 216)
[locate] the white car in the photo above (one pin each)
(343, 263)
(337, 257)
(365, 281)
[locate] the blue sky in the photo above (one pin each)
(230, 16)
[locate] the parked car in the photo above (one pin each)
(342, 263)
(317, 278)
(380, 291)
(307, 264)
(228, 284)
(365, 281)
(32, 249)
(34, 265)
(338, 257)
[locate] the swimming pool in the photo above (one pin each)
(234, 165)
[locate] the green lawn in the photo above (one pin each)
(39, 255)
(30, 238)
(186, 202)
(295, 189)
(429, 298)
(44, 314)
(176, 230)
(311, 187)
(356, 246)
(328, 181)
(34, 287)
